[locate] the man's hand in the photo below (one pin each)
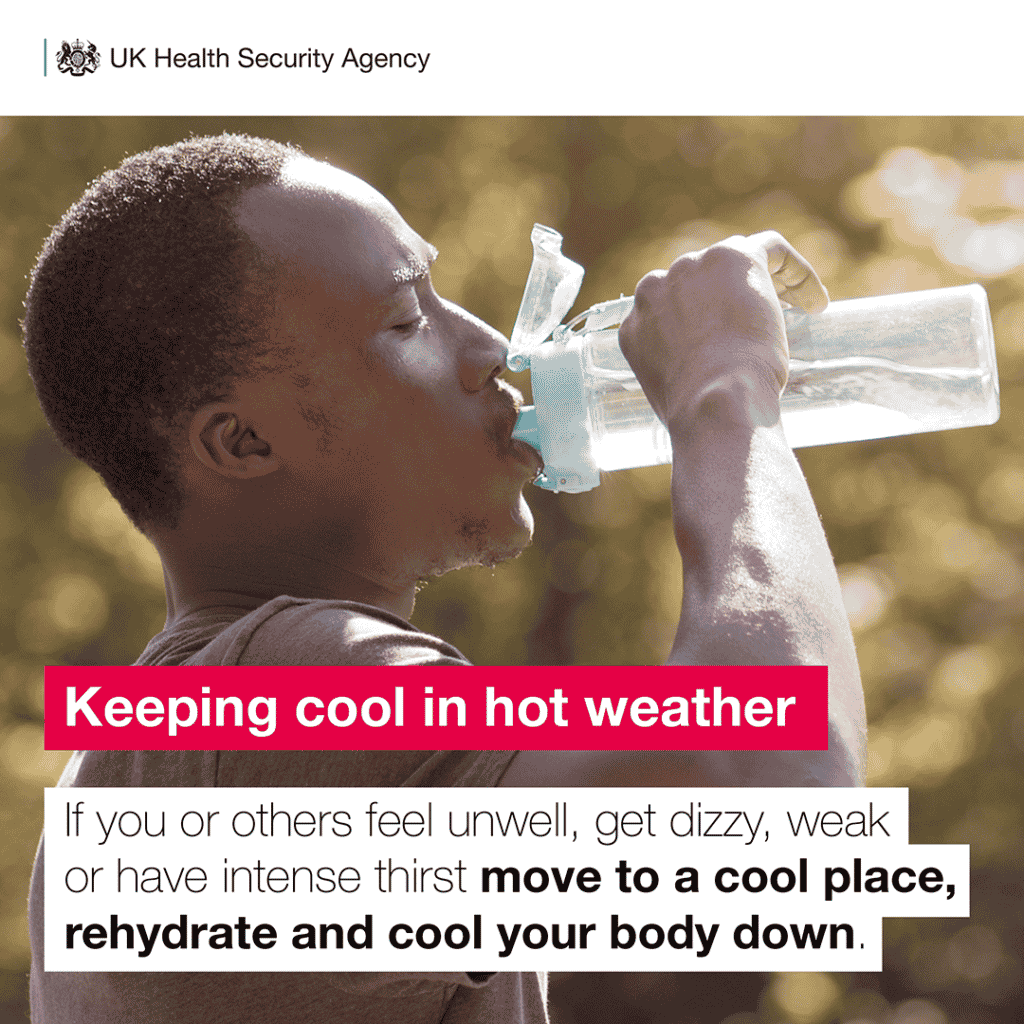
(713, 320)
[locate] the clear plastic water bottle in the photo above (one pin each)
(862, 369)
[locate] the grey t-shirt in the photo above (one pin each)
(284, 631)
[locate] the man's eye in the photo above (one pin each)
(409, 326)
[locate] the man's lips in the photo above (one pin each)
(520, 450)
(525, 452)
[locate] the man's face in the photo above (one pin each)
(393, 430)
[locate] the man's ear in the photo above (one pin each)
(224, 441)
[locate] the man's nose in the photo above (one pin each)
(482, 351)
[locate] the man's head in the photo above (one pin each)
(146, 299)
(227, 328)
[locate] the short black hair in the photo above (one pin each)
(146, 301)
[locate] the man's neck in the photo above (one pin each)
(199, 580)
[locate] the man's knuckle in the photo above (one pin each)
(724, 258)
(648, 287)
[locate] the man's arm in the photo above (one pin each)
(707, 342)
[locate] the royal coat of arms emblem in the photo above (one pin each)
(78, 58)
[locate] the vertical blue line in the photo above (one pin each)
(44, 57)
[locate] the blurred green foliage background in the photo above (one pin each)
(928, 531)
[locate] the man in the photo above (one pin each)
(246, 345)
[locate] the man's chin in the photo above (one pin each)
(505, 554)
(482, 542)
(521, 536)
(501, 549)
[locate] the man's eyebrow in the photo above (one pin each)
(416, 269)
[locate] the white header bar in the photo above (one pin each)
(533, 57)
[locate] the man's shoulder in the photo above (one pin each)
(307, 631)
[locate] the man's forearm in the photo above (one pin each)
(750, 594)
(707, 342)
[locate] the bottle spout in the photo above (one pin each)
(527, 429)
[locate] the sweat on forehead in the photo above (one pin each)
(416, 268)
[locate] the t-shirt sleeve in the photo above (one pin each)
(335, 633)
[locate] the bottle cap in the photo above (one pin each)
(551, 289)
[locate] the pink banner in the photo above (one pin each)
(479, 708)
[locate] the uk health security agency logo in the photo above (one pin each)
(78, 58)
